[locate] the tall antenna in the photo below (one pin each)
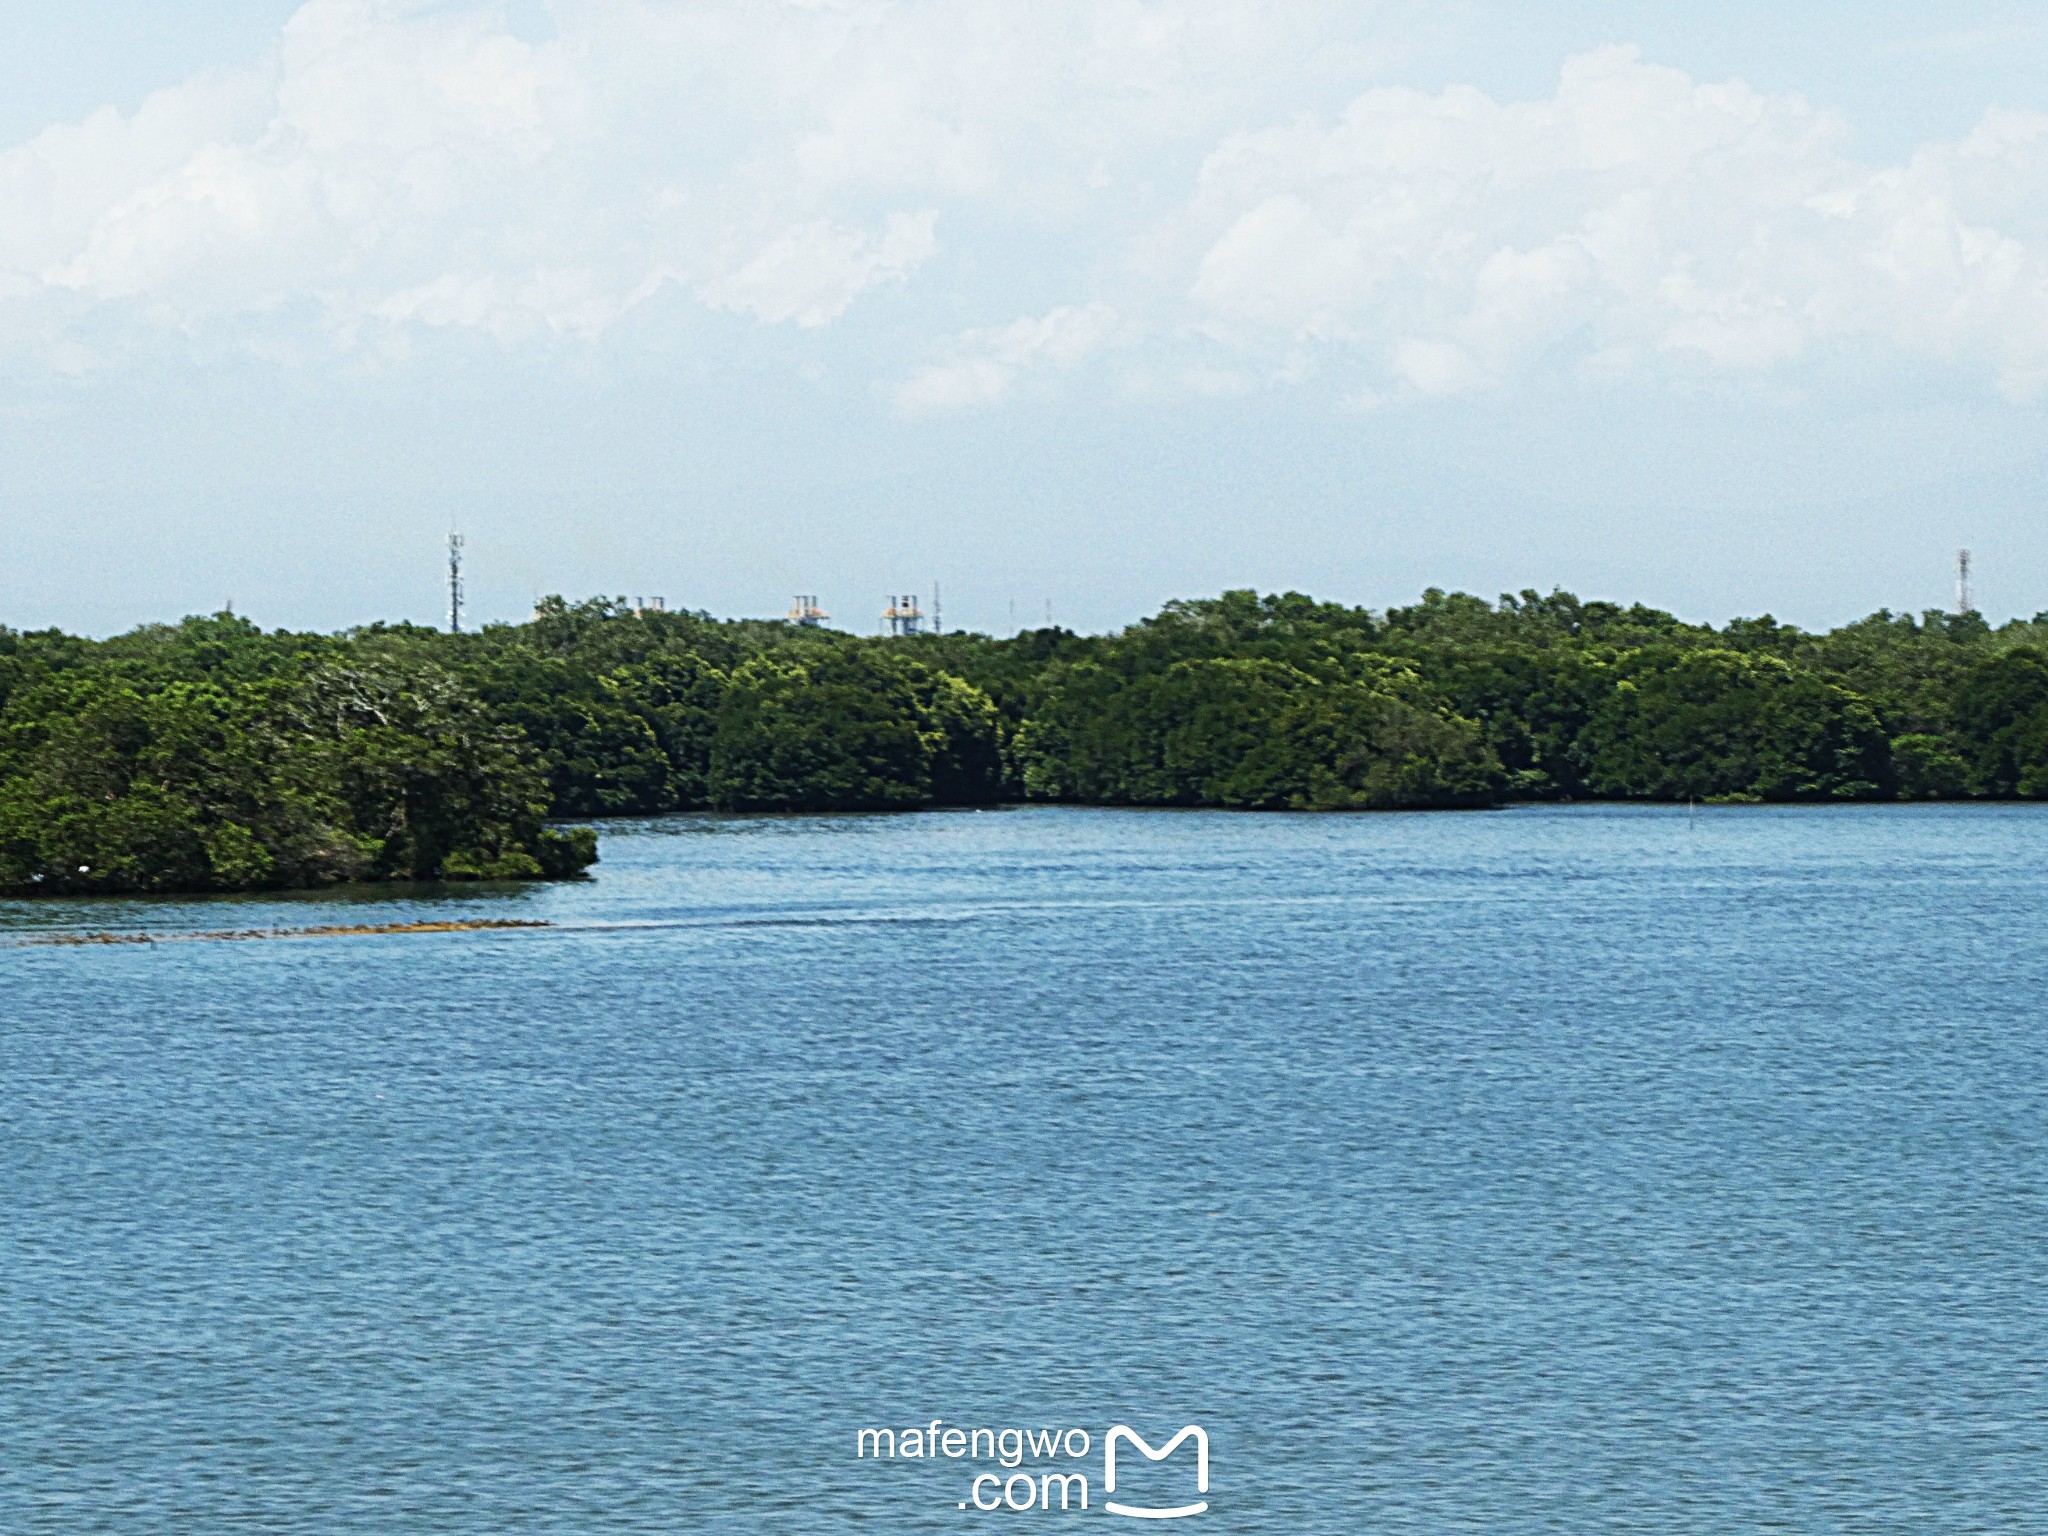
(937, 627)
(454, 583)
(1965, 604)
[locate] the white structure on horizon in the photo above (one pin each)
(454, 582)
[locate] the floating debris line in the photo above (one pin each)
(243, 935)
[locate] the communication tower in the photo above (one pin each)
(806, 612)
(1965, 603)
(938, 628)
(903, 616)
(454, 583)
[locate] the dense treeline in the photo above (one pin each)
(211, 755)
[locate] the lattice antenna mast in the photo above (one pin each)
(1965, 601)
(938, 627)
(454, 583)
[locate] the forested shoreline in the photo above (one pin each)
(211, 755)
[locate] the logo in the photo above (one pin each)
(1037, 1469)
(1137, 1442)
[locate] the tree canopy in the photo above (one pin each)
(212, 755)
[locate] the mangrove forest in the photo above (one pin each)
(213, 755)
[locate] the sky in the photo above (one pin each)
(1070, 308)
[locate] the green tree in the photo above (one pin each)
(1731, 725)
(1926, 768)
(2002, 719)
(851, 729)
(435, 786)
(186, 762)
(1250, 733)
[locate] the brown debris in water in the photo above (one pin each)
(330, 931)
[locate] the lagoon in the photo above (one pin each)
(1588, 1169)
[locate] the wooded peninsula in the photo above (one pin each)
(210, 755)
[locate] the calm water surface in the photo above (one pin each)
(1576, 1170)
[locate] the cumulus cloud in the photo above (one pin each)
(397, 166)
(382, 158)
(986, 364)
(403, 163)
(811, 274)
(1637, 214)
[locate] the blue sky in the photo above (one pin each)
(1729, 309)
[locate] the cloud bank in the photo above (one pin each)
(1637, 217)
(1151, 187)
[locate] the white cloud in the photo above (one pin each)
(986, 364)
(382, 153)
(1452, 238)
(56, 188)
(400, 165)
(811, 274)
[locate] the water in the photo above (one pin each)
(1576, 1170)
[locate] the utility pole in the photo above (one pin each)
(454, 583)
(1965, 603)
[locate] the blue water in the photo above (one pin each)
(1574, 1170)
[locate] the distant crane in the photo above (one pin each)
(1965, 603)
(454, 583)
